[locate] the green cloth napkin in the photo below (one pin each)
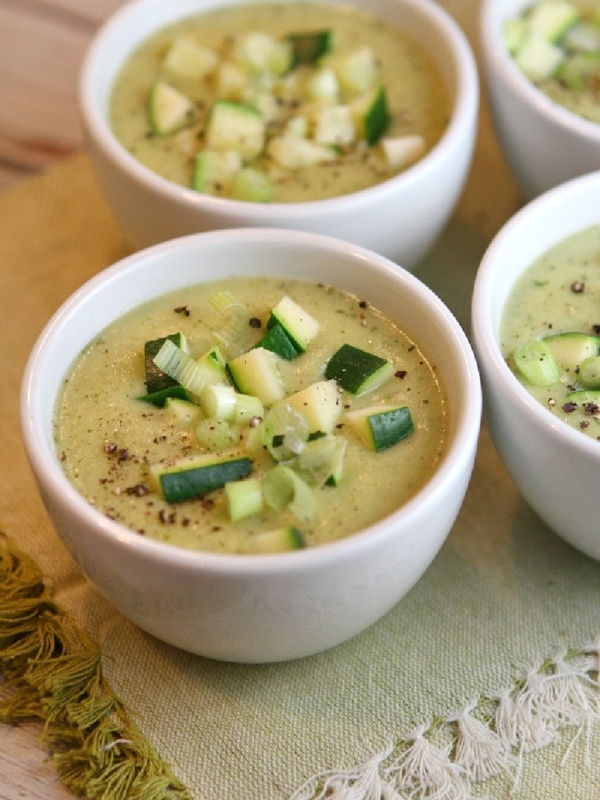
(504, 599)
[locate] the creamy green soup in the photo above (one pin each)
(308, 130)
(109, 440)
(556, 302)
(557, 46)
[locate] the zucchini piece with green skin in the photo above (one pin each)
(215, 171)
(279, 540)
(156, 379)
(589, 372)
(183, 410)
(538, 58)
(235, 126)
(189, 60)
(251, 185)
(193, 476)
(372, 115)
(309, 46)
(381, 427)
(320, 404)
(552, 18)
(161, 397)
(358, 371)
(571, 348)
(300, 327)
(277, 340)
(169, 110)
(244, 498)
(257, 373)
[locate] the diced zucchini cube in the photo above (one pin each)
(169, 110)
(551, 19)
(182, 410)
(276, 541)
(231, 81)
(570, 349)
(192, 476)
(257, 373)
(538, 58)
(309, 46)
(335, 125)
(320, 404)
(298, 324)
(580, 69)
(380, 427)
(357, 70)
(323, 84)
(514, 32)
(358, 371)
(162, 396)
(244, 498)
(402, 151)
(372, 114)
(188, 59)
(261, 53)
(295, 152)
(277, 340)
(215, 171)
(251, 185)
(235, 126)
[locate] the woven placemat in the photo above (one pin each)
(487, 667)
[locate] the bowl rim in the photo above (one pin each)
(501, 66)
(457, 458)
(485, 334)
(464, 107)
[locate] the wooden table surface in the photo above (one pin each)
(42, 43)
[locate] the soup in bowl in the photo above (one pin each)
(338, 145)
(201, 571)
(543, 427)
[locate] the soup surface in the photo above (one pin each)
(557, 45)
(109, 439)
(312, 140)
(556, 302)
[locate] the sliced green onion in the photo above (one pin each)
(322, 460)
(244, 498)
(192, 374)
(285, 432)
(248, 408)
(234, 316)
(535, 362)
(589, 372)
(219, 401)
(282, 488)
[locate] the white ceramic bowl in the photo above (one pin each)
(554, 466)
(399, 218)
(544, 143)
(265, 607)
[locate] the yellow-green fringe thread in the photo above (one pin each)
(51, 670)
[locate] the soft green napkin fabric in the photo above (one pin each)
(504, 596)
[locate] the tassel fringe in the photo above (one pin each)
(485, 739)
(50, 670)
